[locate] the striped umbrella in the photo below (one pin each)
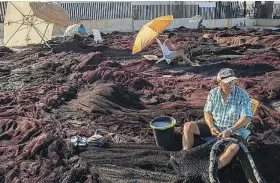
(50, 13)
(195, 19)
(71, 30)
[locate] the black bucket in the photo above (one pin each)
(163, 128)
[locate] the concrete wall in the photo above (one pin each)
(128, 25)
(268, 22)
(229, 22)
(123, 25)
(207, 23)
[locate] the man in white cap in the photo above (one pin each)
(227, 111)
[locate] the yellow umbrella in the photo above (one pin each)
(150, 31)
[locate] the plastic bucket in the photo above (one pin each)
(163, 128)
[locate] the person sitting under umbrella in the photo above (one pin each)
(172, 52)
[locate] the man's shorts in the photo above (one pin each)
(203, 128)
(171, 55)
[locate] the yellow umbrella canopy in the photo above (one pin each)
(150, 31)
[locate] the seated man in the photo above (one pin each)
(82, 30)
(172, 52)
(199, 24)
(227, 111)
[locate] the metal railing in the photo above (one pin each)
(3, 6)
(147, 12)
(179, 9)
(97, 10)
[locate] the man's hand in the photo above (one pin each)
(179, 44)
(224, 134)
(214, 131)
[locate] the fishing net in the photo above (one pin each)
(48, 96)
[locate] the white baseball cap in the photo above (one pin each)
(226, 75)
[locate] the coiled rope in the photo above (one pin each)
(213, 160)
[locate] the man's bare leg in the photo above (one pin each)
(227, 155)
(190, 129)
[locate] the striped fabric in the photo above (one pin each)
(71, 30)
(195, 19)
(226, 115)
(50, 13)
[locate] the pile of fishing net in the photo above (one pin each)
(195, 165)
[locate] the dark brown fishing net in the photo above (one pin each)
(78, 88)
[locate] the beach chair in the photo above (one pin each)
(163, 54)
(254, 104)
(97, 36)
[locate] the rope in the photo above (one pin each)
(213, 160)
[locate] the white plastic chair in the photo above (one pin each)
(97, 36)
(163, 54)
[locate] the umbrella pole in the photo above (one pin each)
(30, 27)
(39, 33)
(22, 24)
(45, 32)
(19, 26)
(10, 22)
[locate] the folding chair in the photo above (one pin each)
(255, 105)
(163, 54)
